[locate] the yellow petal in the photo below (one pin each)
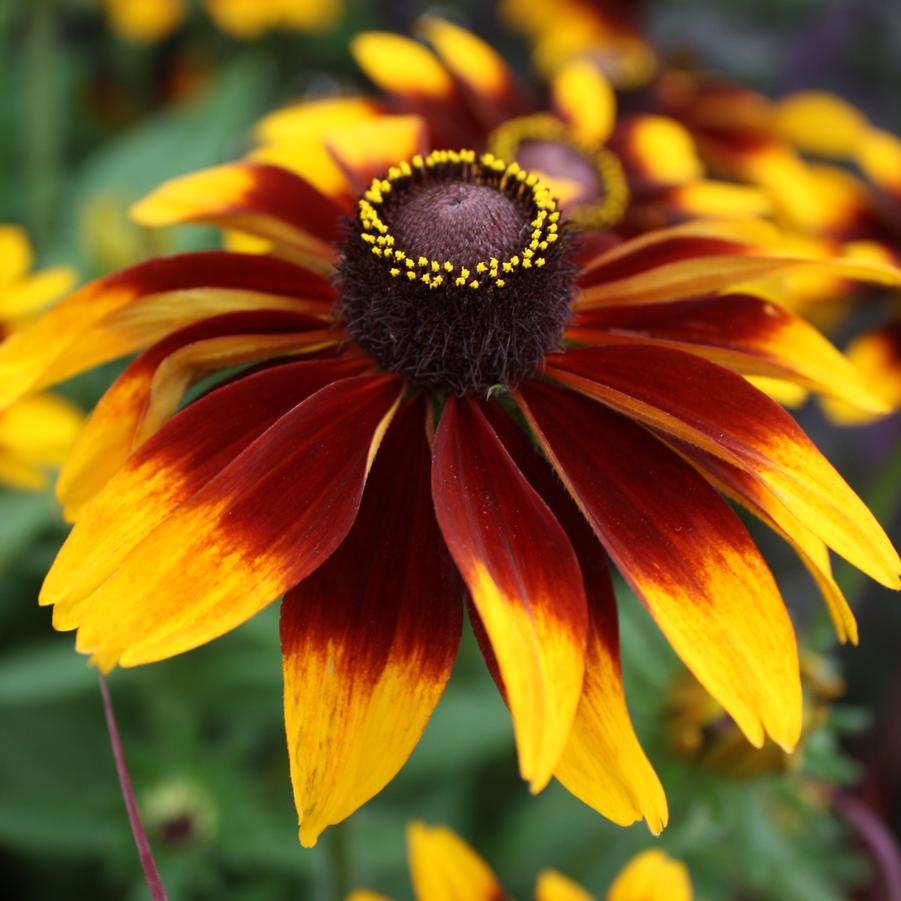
(663, 150)
(652, 876)
(554, 886)
(20, 300)
(41, 428)
(789, 394)
(401, 66)
(719, 198)
(313, 120)
(310, 159)
(879, 155)
(16, 255)
(821, 123)
(472, 60)
(444, 868)
(585, 99)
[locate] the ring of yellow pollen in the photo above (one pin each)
(547, 145)
(454, 271)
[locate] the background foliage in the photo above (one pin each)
(90, 122)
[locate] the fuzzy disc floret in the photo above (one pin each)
(454, 272)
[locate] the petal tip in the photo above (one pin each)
(308, 836)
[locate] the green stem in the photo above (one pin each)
(339, 862)
(42, 125)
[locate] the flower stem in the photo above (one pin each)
(151, 873)
(878, 840)
(339, 862)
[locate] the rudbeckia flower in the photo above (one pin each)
(619, 174)
(801, 150)
(445, 399)
(444, 868)
(37, 432)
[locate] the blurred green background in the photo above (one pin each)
(90, 121)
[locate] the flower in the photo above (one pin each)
(444, 868)
(379, 448)
(699, 730)
(36, 432)
(149, 21)
(623, 174)
(798, 149)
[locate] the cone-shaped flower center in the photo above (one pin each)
(588, 179)
(454, 272)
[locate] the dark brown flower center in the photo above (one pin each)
(454, 272)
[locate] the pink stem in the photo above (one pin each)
(151, 873)
(877, 838)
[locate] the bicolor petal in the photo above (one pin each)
(739, 331)
(744, 489)
(173, 466)
(367, 150)
(148, 392)
(257, 198)
(684, 552)
(213, 561)
(524, 579)
(369, 639)
(131, 309)
(603, 763)
(310, 159)
(704, 257)
(718, 411)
